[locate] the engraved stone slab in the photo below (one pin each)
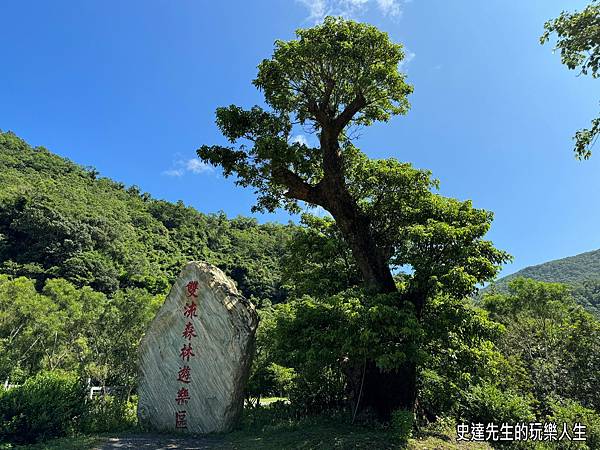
(195, 357)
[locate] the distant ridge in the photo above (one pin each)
(570, 270)
(581, 272)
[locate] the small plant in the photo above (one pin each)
(401, 424)
(108, 413)
(47, 405)
(486, 403)
(570, 413)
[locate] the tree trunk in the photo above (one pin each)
(384, 392)
(354, 225)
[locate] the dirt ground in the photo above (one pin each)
(159, 442)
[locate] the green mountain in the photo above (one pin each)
(581, 272)
(62, 220)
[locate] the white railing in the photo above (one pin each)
(8, 386)
(94, 391)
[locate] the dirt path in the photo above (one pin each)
(159, 442)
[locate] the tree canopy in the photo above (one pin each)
(333, 77)
(578, 39)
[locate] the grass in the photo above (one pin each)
(309, 433)
(66, 443)
(325, 436)
(435, 443)
(275, 427)
(268, 400)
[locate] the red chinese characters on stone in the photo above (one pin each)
(183, 395)
(189, 332)
(181, 419)
(189, 310)
(192, 288)
(186, 352)
(185, 375)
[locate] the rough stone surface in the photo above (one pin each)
(221, 337)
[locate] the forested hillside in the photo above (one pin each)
(85, 262)
(580, 272)
(343, 336)
(58, 219)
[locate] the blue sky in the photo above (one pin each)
(130, 87)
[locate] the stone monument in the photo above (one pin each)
(195, 357)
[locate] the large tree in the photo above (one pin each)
(333, 78)
(578, 39)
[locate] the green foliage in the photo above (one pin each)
(580, 272)
(570, 412)
(335, 76)
(85, 263)
(440, 238)
(459, 352)
(333, 330)
(578, 39)
(318, 262)
(326, 340)
(587, 294)
(486, 403)
(27, 321)
(70, 328)
(335, 60)
(349, 325)
(555, 342)
(571, 270)
(58, 219)
(106, 413)
(325, 71)
(267, 378)
(337, 332)
(402, 424)
(47, 405)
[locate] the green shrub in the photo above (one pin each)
(401, 424)
(314, 392)
(276, 414)
(107, 413)
(443, 426)
(438, 395)
(47, 405)
(486, 403)
(571, 412)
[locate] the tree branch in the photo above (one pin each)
(297, 187)
(348, 113)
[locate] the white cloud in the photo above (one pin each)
(196, 166)
(408, 57)
(173, 172)
(300, 138)
(389, 7)
(319, 211)
(182, 166)
(316, 9)
(319, 9)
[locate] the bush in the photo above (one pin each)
(401, 424)
(571, 412)
(486, 403)
(47, 405)
(108, 413)
(314, 392)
